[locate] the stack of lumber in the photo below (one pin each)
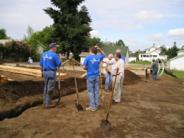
(23, 71)
(3, 79)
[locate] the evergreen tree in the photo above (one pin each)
(120, 43)
(71, 25)
(3, 34)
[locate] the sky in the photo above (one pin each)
(139, 23)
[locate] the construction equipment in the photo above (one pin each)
(105, 124)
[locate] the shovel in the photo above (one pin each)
(101, 88)
(105, 124)
(59, 88)
(77, 104)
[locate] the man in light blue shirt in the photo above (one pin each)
(49, 63)
(92, 65)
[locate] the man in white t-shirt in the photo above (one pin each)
(107, 67)
(118, 66)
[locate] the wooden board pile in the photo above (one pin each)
(24, 71)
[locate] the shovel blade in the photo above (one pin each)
(105, 125)
(79, 107)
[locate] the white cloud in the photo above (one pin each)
(177, 32)
(149, 15)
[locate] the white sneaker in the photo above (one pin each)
(88, 108)
(94, 109)
(91, 109)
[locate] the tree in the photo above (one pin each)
(71, 25)
(93, 41)
(40, 39)
(120, 43)
(3, 34)
(172, 52)
(163, 50)
(30, 32)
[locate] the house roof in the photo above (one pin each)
(181, 51)
(180, 56)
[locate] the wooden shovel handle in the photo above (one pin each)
(111, 96)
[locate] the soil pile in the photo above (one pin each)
(131, 78)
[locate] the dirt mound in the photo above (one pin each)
(130, 78)
(15, 90)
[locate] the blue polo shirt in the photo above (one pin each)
(92, 64)
(50, 61)
(123, 58)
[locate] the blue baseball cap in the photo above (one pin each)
(52, 45)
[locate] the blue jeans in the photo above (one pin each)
(108, 81)
(49, 86)
(154, 74)
(154, 77)
(93, 91)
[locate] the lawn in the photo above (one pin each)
(179, 74)
(142, 62)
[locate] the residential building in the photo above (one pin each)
(152, 53)
(177, 63)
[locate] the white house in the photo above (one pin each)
(177, 63)
(132, 59)
(4, 41)
(83, 56)
(152, 53)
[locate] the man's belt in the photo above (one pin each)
(49, 70)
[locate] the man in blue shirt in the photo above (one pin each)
(92, 65)
(49, 63)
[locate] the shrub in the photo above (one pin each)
(15, 51)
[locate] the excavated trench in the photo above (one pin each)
(18, 96)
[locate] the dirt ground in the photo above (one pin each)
(149, 109)
(23, 91)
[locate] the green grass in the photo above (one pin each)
(179, 74)
(142, 62)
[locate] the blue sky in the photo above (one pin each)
(140, 23)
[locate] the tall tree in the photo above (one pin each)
(40, 39)
(3, 34)
(172, 52)
(71, 25)
(120, 43)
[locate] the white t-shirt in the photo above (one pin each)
(120, 64)
(107, 64)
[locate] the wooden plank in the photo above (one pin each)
(24, 71)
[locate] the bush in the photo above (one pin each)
(15, 51)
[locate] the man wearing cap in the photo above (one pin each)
(49, 63)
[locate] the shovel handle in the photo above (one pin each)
(59, 81)
(76, 85)
(111, 96)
